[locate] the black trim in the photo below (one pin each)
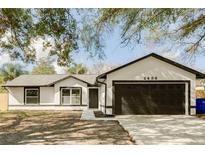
(198, 74)
(93, 86)
(38, 95)
(113, 97)
(80, 97)
(108, 107)
(160, 81)
(189, 98)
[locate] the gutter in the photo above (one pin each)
(105, 91)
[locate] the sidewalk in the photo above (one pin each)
(88, 115)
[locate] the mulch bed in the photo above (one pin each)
(100, 114)
(201, 116)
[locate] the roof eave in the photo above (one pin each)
(199, 75)
(68, 77)
(102, 76)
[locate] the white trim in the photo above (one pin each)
(70, 88)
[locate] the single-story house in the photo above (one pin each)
(149, 85)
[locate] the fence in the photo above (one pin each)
(3, 101)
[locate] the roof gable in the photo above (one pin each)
(198, 74)
(86, 78)
(47, 80)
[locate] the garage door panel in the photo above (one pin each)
(150, 99)
(131, 105)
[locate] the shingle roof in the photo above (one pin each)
(89, 78)
(47, 80)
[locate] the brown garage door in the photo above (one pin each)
(149, 99)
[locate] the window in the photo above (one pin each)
(66, 96)
(31, 96)
(71, 96)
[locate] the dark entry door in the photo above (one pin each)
(149, 99)
(93, 98)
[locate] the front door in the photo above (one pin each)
(93, 98)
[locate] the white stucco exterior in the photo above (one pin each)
(158, 72)
(150, 67)
(102, 98)
(49, 96)
(71, 82)
(16, 95)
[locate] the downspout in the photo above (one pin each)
(105, 92)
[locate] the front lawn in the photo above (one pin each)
(62, 127)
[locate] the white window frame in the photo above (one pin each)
(26, 89)
(71, 88)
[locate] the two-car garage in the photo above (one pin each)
(149, 98)
(151, 85)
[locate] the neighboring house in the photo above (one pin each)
(200, 84)
(149, 85)
(200, 88)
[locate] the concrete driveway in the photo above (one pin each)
(164, 129)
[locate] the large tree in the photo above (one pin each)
(184, 27)
(10, 71)
(77, 69)
(43, 67)
(63, 31)
(19, 28)
(101, 68)
(2, 89)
